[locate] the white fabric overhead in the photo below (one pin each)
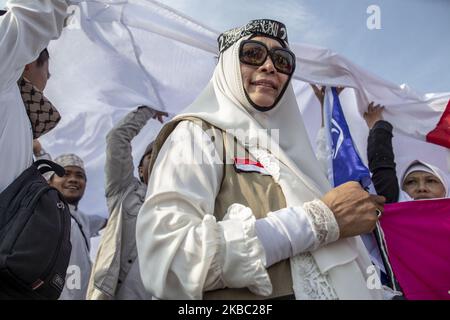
(118, 54)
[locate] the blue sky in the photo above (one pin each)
(412, 46)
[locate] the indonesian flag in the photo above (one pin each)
(441, 133)
(417, 235)
(247, 165)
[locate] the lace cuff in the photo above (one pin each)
(324, 224)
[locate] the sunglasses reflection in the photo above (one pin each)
(255, 53)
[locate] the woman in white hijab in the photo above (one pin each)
(419, 180)
(237, 206)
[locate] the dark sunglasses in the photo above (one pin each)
(255, 53)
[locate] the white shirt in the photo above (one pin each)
(183, 251)
(79, 270)
(25, 31)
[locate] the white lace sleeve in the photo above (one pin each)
(324, 224)
(294, 230)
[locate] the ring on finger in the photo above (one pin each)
(378, 212)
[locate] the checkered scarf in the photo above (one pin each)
(42, 114)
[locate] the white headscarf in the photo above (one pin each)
(224, 104)
(418, 165)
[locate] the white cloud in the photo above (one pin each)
(303, 25)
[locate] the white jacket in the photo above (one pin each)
(25, 30)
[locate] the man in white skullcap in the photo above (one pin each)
(83, 226)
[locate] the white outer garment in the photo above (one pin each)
(291, 231)
(165, 222)
(179, 259)
(80, 264)
(25, 31)
(182, 250)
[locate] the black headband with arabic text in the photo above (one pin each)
(267, 27)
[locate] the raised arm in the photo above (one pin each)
(380, 154)
(323, 151)
(119, 160)
(25, 30)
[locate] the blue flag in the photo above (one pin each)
(347, 164)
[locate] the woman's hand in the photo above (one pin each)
(355, 210)
(373, 114)
(320, 94)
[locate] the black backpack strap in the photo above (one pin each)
(45, 165)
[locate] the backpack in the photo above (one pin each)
(34, 236)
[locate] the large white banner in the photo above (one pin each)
(116, 55)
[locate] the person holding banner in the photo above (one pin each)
(340, 159)
(419, 181)
(115, 274)
(25, 31)
(247, 213)
(416, 232)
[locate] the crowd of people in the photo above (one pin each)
(221, 208)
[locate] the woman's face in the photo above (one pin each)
(423, 185)
(264, 83)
